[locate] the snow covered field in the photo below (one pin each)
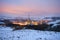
(6, 33)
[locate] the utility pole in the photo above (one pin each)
(29, 18)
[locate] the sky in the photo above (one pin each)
(34, 8)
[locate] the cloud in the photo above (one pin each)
(23, 9)
(33, 7)
(15, 9)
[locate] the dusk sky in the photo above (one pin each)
(35, 8)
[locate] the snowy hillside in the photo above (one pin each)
(6, 33)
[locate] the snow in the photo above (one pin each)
(5, 28)
(2, 23)
(55, 25)
(54, 22)
(6, 33)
